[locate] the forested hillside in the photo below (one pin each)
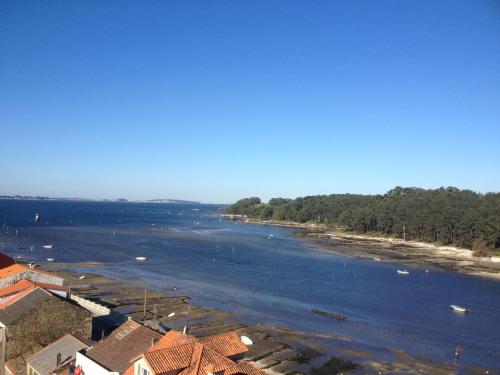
(446, 215)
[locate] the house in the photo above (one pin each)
(177, 354)
(57, 357)
(24, 284)
(114, 354)
(16, 272)
(36, 317)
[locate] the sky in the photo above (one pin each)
(219, 100)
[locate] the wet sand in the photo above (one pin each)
(389, 249)
(410, 253)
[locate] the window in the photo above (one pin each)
(142, 370)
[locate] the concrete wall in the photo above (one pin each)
(33, 276)
(44, 278)
(94, 308)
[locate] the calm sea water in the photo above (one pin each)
(265, 275)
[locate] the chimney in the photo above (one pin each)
(58, 359)
(153, 341)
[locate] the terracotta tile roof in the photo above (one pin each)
(25, 301)
(50, 286)
(12, 270)
(175, 358)
(122, 345)
(172, 338)
(227, 344)
(24, 284)
(17, 297)
(18, 268)
(17, 287)
(196, 357)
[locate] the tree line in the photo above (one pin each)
(447, 216)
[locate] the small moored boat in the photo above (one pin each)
(141, 258)
(403, 272)
(377, 259)
(48, 247)
(460, 308)
(50, 259)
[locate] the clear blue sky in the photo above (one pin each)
(218, 100)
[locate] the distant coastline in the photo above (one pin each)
(119, 200)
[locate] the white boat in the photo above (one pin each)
(141, 258)
(50, 259)
(377, 259)
(403, 272)
(171, 315)
(48, 247)
(37, 217)
(460, 308)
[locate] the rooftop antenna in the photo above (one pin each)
(184, 331)
(145, 299)
(155, 316)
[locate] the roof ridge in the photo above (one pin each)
(197, 352)
(17, 297)
(170, 348)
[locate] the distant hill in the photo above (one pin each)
(176, 201)
(29, 197)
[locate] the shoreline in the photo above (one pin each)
(276, 349)
(380, 248)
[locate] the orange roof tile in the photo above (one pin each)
(17, 287)
(12, 270)
(50, 286)
(195, 357)
(16, 298)
(24, 284)
(175, 358)
(172, 338)
(227, 344)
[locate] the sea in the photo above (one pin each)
(265, 275)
